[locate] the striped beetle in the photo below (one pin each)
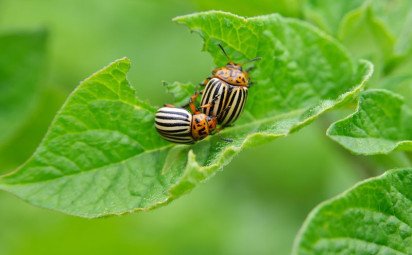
(230, 84)
(178, 125)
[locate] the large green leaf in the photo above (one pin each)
(21, 64)
(103, 156)
(374, 217)
(381, 124)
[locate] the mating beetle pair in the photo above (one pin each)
(223, 99)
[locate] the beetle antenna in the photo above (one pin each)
(252, 60)
(224, 52)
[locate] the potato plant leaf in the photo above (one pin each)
(327, 14)
(381, 124)
(374, 217)
(394, 16)
(367, 37)
(375, 30)
(102, 155)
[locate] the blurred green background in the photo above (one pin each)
(255, 206)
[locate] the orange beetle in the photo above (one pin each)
(227, 88)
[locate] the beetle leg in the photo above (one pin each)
(192, 102)
(206, 105)
(169, 105)
(215, 98)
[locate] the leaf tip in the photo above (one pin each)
(124, 63)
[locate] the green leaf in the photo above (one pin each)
(400, 84)
(397, 16)
(374, 217)
(400, 79)
(103, 156)
(21, 64)
(329, 14)
(375, 30)
(367, 37)
(380, 125)
(380, 32)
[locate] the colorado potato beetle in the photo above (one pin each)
(230, 84)
(178, 125)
